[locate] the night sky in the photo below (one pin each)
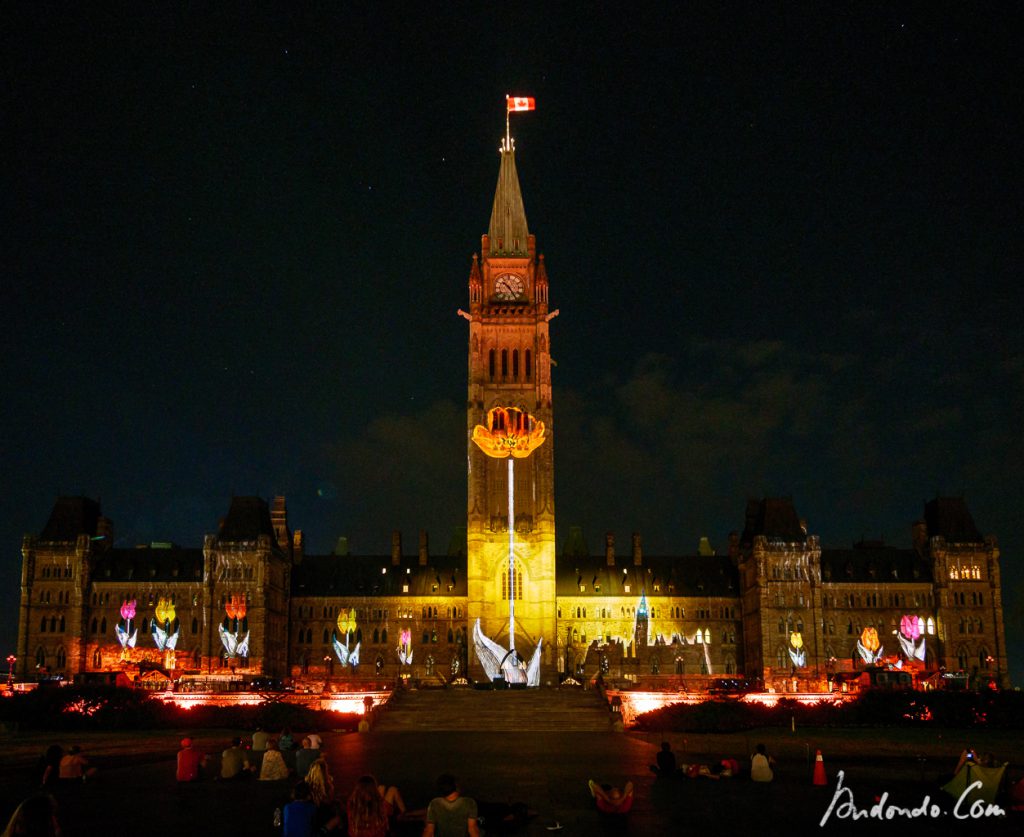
(785, 243)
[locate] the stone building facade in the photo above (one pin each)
(777, 608)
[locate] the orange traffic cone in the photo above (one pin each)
(819, 770)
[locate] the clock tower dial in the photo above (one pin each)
(508, 286)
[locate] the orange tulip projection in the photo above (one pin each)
(869, 646)
(509, 432)
(236, 608)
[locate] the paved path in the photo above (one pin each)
(548, 772)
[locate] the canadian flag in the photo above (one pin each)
(520, 103)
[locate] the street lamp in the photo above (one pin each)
(11, 660)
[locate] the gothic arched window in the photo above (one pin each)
(517, 583)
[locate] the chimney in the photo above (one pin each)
(396, 548)
(279, 520)
(638, 553)
(297, 548)
(734, 546)
(105, 530)
(920, 536)
(609, 548)
(424, 551)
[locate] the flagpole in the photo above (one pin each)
(508, 138)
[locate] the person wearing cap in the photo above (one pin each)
(190, 762)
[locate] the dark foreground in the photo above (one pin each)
(138, 796)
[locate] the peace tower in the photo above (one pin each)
(510, 366)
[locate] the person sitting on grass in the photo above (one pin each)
(368, 813)
(190, 762)
(234, 762)
(611, 800)
(304, 757)
(450, 814)
(50, 766)
(75, 767)
(761, 765)
(300, 813)
(36, 816)
(321, 794)
(666, 766)
(273, 768)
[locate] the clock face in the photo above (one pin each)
(508, 286)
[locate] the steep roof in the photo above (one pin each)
(507, 231)
(686, 575)
(950, 518)
(775, 518)
(71, 517)
(374, 575)
(873, 564)
(248, 518)
(149, 565)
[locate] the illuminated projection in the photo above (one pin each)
(405, 647)
(165, 627)
(911, 637)
(510, 434)
(869, 647)
(498, 662)
(796, 649)
(346, 630)
(233, 627)
(126, 635)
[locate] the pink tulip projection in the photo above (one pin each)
(911, 638)
(125, 635)
(405, 647)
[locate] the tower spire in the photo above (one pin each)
(507, 232)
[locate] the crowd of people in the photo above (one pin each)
(369, 808)
(761, 766)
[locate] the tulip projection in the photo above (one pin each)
(233, 627)
(498, 662)
(869, 647)
(911, 637)
(796, 649)
(165, 631)
(405, 647)
(347, 655)
(124, 629)
(510, 434)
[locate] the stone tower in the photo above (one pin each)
(780, 580)
(510, 366)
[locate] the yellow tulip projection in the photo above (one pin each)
(341, 637)
(510, 434)
(164, 635)
(796, 649)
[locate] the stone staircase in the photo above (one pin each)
(500, 710)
